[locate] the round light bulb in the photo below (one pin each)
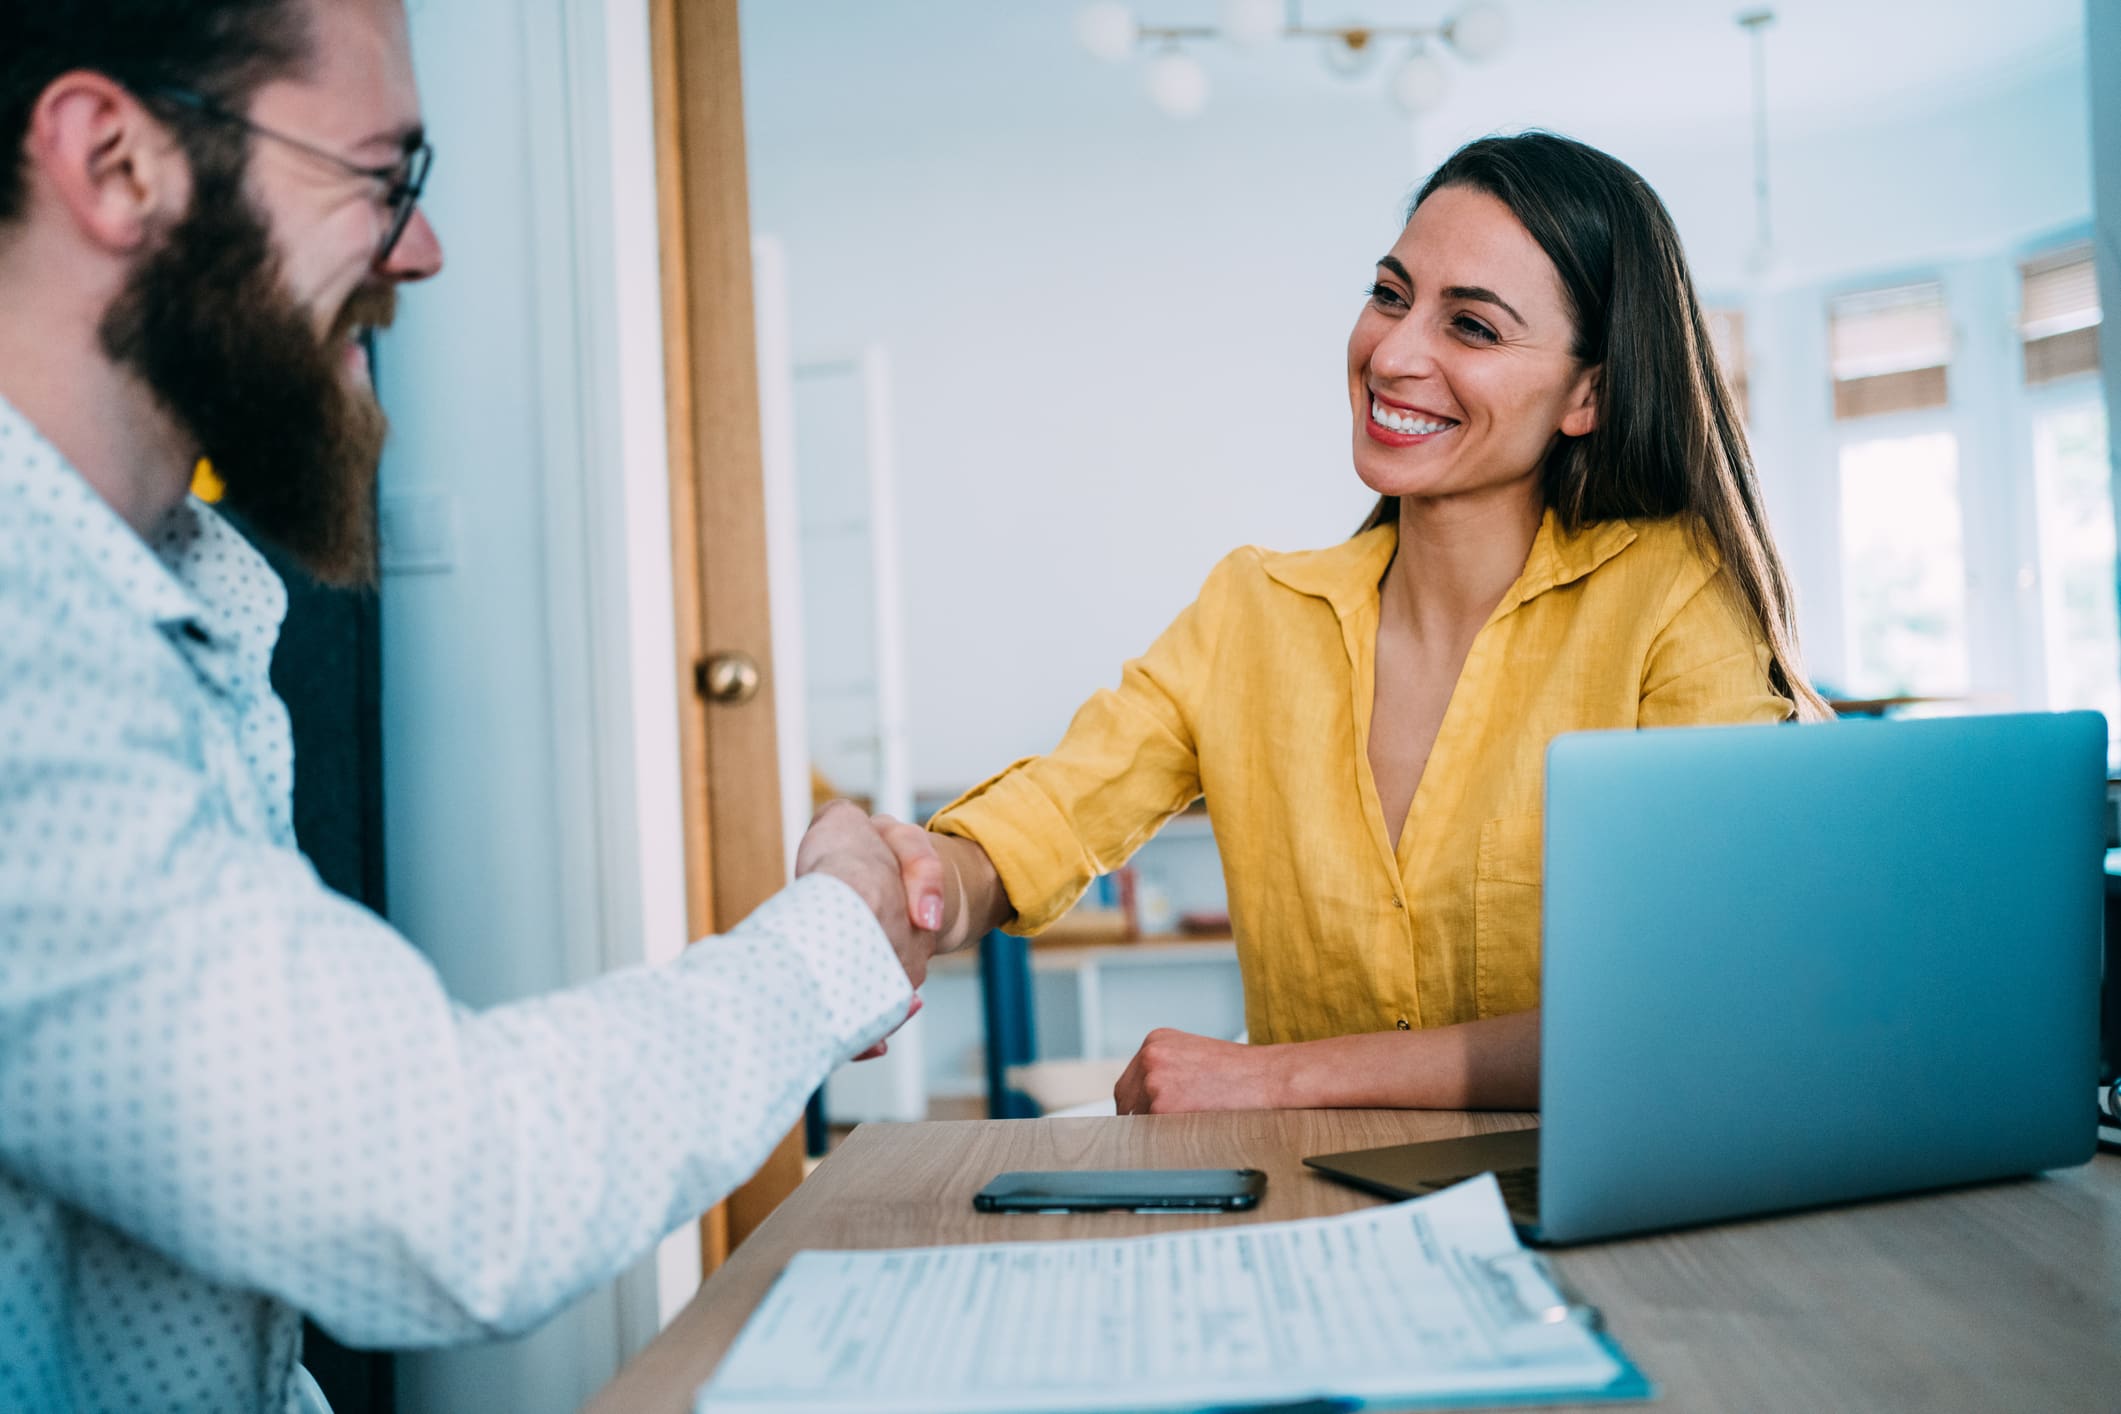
(1421, 83)
(1481, 30)
(1351, 53)
(1178, 84)
(1107, 29)
(1251, 23)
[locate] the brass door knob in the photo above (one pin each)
(728, 678)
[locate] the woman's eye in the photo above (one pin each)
(1385, 297)
(1472, 328)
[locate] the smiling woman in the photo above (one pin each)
(1613, 322)
(1569, 537)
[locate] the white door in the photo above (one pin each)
(833, 541)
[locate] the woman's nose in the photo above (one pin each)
(1407, 350)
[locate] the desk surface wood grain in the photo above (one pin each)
(2005, 1297)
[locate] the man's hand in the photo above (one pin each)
(1176, 1071)
(844, 843)
(884, 1045)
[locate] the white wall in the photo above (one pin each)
(1119, 339)
(529, 696)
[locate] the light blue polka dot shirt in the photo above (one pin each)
(229, 1096)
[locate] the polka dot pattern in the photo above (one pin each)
(229, 1096)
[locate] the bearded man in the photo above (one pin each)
(227, 1095)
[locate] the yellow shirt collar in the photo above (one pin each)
(1346, 575)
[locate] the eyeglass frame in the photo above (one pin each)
(403, 181)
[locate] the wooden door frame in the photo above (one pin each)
(734, 856)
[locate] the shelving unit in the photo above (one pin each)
(1094, 1000)
(1091, 1002)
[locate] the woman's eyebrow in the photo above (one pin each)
(1477, 293)
(1483, 296)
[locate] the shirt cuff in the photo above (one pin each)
(858, 982)
(1029, 840)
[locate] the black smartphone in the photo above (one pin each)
(1135, 1190)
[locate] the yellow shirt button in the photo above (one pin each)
(1399, 903)
(1403, 1024)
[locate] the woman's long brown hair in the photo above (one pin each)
(1668, 441)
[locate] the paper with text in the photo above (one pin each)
(1432, 1299)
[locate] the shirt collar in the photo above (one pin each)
(198, 580)
(242, 601)
(1343, 575)
(1561, 557)
(1347, 575)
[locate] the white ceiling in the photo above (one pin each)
(1648, 69)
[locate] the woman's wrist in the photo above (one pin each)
(972, 892)
(1491, 1064)
(1316, 1075)
(1287, 1078)
(957, 925)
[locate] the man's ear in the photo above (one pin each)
(1582, 416)
(98, 154)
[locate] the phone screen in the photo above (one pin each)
(1153, 1190)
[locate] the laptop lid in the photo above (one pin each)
(1786, 966)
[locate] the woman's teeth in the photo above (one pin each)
(1399, 421)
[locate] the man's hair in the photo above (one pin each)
(223, 49)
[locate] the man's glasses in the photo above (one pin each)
(402, 181)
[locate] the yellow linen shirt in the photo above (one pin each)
(1259, 697)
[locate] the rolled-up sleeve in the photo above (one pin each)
(1128, 762)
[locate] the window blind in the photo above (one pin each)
(1890, 349)
(2058, 313)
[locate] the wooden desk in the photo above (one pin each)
(2005, 1297)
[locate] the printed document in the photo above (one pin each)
(1428, 1300)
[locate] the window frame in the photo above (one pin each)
(2036, 400)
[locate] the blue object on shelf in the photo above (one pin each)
(1012, 1033)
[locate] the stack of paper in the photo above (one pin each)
(1429, 1301)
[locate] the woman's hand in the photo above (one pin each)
(1473, 1065)
(920, 866)
(1176, 1071)
(921, 870)
(952, 890)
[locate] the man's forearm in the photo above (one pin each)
(1476, 1065)
(320, 1123)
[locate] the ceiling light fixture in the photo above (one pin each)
(1761, 258)
(1420, 84)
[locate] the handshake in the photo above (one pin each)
(899, 872)
(936, 893)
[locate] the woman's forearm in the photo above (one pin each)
(973, 899)
(1476, 1065)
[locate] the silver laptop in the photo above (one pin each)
(1789, 966)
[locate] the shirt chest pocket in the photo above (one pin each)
(1506, 893)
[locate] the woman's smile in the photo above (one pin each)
(1398, 425)
(1467, 340)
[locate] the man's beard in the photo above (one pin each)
(209, 326)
